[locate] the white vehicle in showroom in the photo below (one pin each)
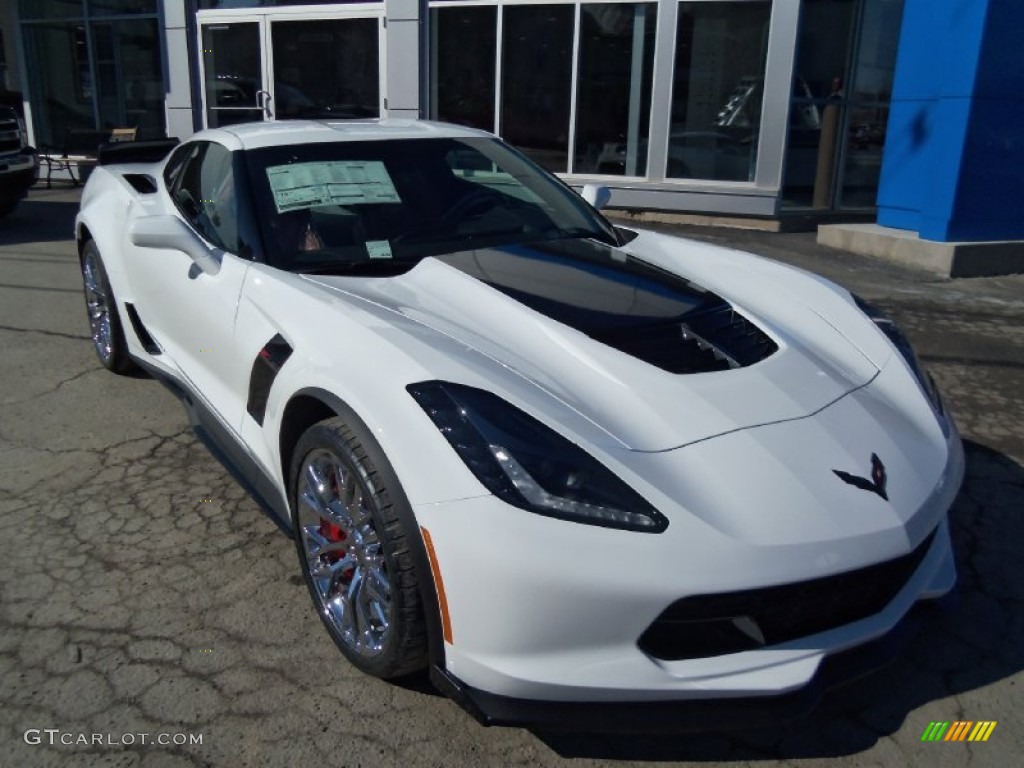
(586, 475)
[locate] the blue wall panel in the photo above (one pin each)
(953, 167)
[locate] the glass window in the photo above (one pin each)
(232, 69)
(177, 161)
(206, 195)
(840, 103)
(3, 62)
(721, 50)
(121, 7)
(129, 79)
(361, 206)
(823, 46)
(613, 97)
(462, 68)
(818, 100)
(50, 9)
(870, 93)
(64, 9)
(211, 4)
(88, 80)
(469, 164)
(326, 68)
(58, 57)
(536, 77)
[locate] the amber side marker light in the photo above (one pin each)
(446, 622)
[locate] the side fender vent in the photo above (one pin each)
(141, 182)
(141, 333)
(265, 367)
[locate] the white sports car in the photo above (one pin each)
(567, 466)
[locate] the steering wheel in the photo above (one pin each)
(473, 203)
(476, 202)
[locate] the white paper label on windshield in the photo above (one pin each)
(340, 182)
(378, 249)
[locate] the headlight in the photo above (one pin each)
(895, 335)
(528, 465)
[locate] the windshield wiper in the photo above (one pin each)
(576, 233)
(363, 267)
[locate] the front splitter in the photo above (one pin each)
(687, 716)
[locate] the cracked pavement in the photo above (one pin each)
(142, 591)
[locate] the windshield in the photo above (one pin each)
(377, 207)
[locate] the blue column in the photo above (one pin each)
(953, 166)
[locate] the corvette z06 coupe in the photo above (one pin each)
(577, 471)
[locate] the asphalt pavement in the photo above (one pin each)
(146, 604)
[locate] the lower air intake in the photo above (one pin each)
(714, 625)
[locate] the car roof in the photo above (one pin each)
(290, 132)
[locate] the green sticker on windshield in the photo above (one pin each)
(340, 182)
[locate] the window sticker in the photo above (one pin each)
(340, 182)
(378, 249)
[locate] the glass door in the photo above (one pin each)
(818, 104)
(842, 85)
(870, 94)
(234, 73)
(274, 66)
(328, 68)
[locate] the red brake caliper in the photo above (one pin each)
(333, 533)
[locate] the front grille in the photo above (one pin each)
(714, 339)
(10, 135)
(713, 625)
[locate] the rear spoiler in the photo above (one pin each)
(136, 151)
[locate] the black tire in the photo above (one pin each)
(403, 646)
(6, 206)
(110, 346)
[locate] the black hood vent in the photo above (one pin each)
(714, 339)
(635, 307)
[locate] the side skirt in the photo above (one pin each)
(227, 450)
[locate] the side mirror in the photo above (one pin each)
(597, 195)
(172, 233)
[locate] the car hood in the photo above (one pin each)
(657, 355)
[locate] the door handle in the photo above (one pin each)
(263, 101)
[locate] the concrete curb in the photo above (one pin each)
(980, 259)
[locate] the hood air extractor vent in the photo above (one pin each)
(714, 339)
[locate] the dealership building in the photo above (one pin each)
(908, 110)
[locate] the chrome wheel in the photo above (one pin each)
(97, 302)
(343, 554)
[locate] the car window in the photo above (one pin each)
(177, 160)
(469, 164)
(383, 205)
(205, 194)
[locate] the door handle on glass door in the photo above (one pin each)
(263, 101)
